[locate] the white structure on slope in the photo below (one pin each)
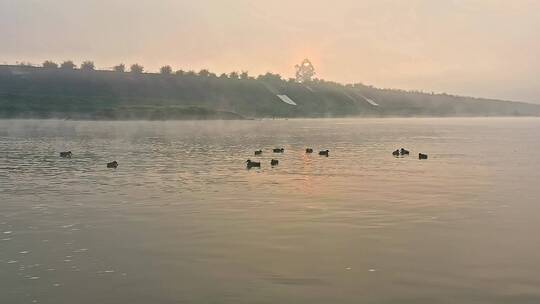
(286, 99)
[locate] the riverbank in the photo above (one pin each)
(31, 92)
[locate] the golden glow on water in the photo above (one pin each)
(307, 183)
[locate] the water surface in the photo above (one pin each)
(182, 220)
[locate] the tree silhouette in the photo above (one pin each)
(87, 66)
(48, 64)
(204, 73)
(136, 68)
(180, 73)
(270, 77)
(121, 68)
(67, 65)
(166, 70)
(234, 75)
(223, 76)
(244, 75)
(304, 71)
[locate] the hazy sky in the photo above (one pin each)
(485, 48)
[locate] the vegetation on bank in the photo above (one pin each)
(65, 91)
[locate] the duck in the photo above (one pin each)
(258, 152)
(324, 153)
(309, 150)
(113, 164)
(422, 156)
(279, 150)
(250, 164)
(403, 152)
(66, 154)
(274, 162)
(396, 153)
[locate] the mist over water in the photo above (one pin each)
(183, 221)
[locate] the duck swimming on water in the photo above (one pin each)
(396, 153)
(274, 162)
(250, 164)
(324, 153)
(66, 154)
(309, 150)
(279, 150)
(113, 164)
(258, 152)
(403, 152)
(422, 156)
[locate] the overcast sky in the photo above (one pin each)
(488, 48)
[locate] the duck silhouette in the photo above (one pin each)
(250, 164)
(67, 154)
(279, 150)
(309, 150)
(324, 153)
(422, 156)
(258, 152)
(274, 162)
(113, 164)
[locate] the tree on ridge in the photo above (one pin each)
(304, 71)
(270, 77)
(48, 64)
(166, 70)
(121, 68)
(204, 73)
(136, 68)
(244, 75)
(87, 66)
(67, 65)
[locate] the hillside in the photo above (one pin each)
(30, 92)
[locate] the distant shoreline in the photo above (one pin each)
(43, 93)
(257, 119)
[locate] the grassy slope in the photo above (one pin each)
(37, 92)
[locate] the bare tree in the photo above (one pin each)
(304, 71)
(87, 66)
(67, 65)
(121, 68)
(166, 70)
(136, 68)
(48, 64)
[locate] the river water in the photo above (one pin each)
(181, 220)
